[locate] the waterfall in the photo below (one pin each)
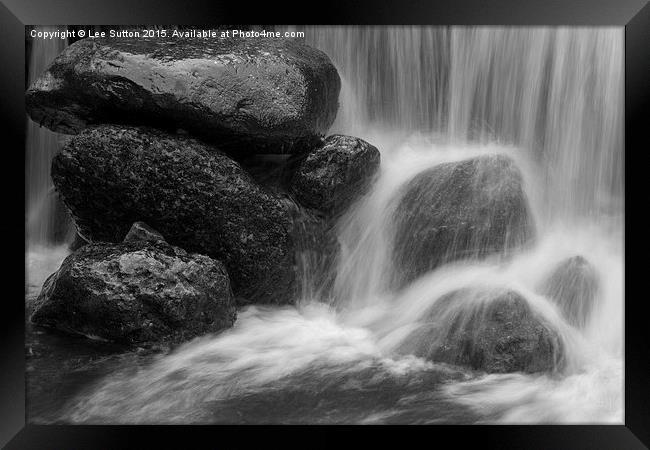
(557, 93)
(549, 98)
(47, 221)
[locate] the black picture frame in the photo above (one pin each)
(15, 14)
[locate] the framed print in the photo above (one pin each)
(415, 217)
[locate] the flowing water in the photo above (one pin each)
(550, 98)
(47, 222)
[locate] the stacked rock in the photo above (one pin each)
(163, 135)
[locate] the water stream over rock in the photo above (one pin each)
(364, 348)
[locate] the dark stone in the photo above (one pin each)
(470, 209)
(573, 285)
(137, 292)
(246, 95)
(335, 174)
(493, 331)
(140, 231)
(196, 197)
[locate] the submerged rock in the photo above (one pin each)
(196, 197)
(137, 292)
(247, 95)
(573, 285)
(333, 175)
(140, 231)
(493, 331)
(460, 210)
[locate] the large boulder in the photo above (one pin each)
(469, 209)
(494, 331)
(573, 285)
(334, 174)
(137, 292)
(196, 197)
(247, 95)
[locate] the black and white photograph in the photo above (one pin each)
(249, 224)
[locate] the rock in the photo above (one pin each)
(140, 231)
(137, 292)
(469, 209)
(573, 285)
(246, 95)
(196, 197)
(493, 331)
(336, 173)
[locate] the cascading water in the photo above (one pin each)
(551, 99)
(556, 93)
(48, 225)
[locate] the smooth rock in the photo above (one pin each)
(494, 331)
(469, 209)
(246, 95)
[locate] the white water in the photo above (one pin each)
(551, 99)
(46, 220)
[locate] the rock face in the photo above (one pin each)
(196, 197)
(468, 209)
(494, 331)
(573, 285)
(140, 231)
(246, 95)
(137, 292)
(334, 174)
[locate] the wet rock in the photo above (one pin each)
(573, 285)
(469, 209)
(140, 231)
(137, 293)
(494, 331)
(196, 197)
(336, 173)
(246, 95)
